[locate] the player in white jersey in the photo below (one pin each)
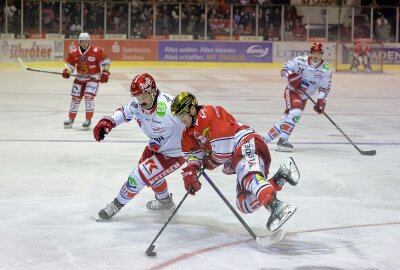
(303, 73)
(163, 155)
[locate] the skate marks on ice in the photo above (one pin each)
(324, 248)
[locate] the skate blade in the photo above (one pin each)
(273, 238)
(99, 219)
(280, 149)
(276, 224)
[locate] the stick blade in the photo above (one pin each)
(21, 63)
(273, 238)
(150, 249)
(369, 153)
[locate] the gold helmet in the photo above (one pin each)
(182, 103)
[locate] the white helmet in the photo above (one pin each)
(84, 36)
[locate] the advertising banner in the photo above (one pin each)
(31, 50)
(121, 50)
(389, 55)
(245, 52)
(284, 51)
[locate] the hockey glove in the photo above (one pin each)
(66, 73)
(210, 163)
(320, 107)
(294, 81)
(190, 179)
(104, 76)
(103, 127)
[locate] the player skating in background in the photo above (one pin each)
(92, 66)
(151, 110)
(303, 73)
(212, 138)
(361, 56)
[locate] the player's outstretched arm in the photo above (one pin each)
(103, 127)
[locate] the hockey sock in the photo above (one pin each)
(89, 102)
(160, 189)
(74, 107)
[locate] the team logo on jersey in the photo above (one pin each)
(202, 113)
(83, 59)
(157, 129)
(161, 109)
(91, 59)
(151, 166)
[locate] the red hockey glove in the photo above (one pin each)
(320, 107)
(209, 163)
(104, 76)
(66, 73)
(294, 81)
(103, 127)
(190, 179)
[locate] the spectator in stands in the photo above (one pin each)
(75, 28)
(382, 28)
(270, 33)
(299, 30)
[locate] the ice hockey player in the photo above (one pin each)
(162, 156)
(93, 67)
(303, 73)
(361, 56)
(212, 138)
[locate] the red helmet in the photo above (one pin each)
(143, 83)
(317, 47)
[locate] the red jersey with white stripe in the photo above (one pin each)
(215, 131)
(88, 64)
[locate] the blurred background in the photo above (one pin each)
(263, 31)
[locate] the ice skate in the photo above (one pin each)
(157, 205)
(110, 210)
(284, 146)
(86, 124)
(287, 172)
(280, 213)
(68, 123)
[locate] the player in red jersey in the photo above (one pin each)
(361, 56)
(212, 138)
(92, 67)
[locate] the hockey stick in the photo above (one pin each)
(362, 152)
(38, 70)
(150, 250)
(262, 241)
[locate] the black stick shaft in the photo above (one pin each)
(229, 205)
(370, 153)
(51, 72)
(150, 248)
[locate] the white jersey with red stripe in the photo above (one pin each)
(314, 77)
(164, 130)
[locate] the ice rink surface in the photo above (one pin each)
(54, 181)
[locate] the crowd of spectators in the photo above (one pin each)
(174, 17)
